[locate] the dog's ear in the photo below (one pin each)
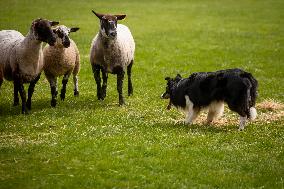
(178, 76)
(167, 78)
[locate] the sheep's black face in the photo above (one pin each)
(43, 32)
(62, 33)
(108, 24)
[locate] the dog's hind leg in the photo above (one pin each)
(216, 110)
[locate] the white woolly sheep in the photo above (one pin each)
(112, 51)
(21, 58)
(61, 59)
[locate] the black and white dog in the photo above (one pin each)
(210, 90)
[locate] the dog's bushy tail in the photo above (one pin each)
(252, 113)
(252, 85)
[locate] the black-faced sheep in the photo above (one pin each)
(112, 51)
(61, 59)
(21, 58)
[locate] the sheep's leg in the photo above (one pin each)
(53, 87)
(130, 88)
(120, 78)
(31, 91)
(96, 70)
(1, 75)
(16, 97)
(22, 91)
(64, 83)
(1, 79)
(104, 86)
(76, 90)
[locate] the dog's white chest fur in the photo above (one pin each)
(216, 109)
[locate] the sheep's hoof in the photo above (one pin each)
(99, 96)
(29, 105)
(62, 96)
(53, 102)
(16, 103)
(121, 102)
(130, 93)
(25, 112)
(103, 96)
(76, 93)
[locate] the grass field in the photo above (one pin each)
(86, 143)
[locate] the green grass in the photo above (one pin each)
(86, 143)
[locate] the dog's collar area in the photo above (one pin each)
(178, 83)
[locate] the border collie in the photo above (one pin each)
(210, 90)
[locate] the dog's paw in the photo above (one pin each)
(240, 129)
(187, 122)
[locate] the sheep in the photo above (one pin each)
(1, 74)
(112, 51)
(61, 59)
(21, 58)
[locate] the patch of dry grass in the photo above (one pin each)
(269, 110)
(270, 105)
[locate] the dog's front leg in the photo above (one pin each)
(191, 115)
(242, 123)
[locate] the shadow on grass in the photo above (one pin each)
(197, 128)
(70, 104)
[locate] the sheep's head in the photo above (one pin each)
(62, 34)
(41, 29)
(108, 24)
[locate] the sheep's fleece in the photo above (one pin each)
(13, 48)
(118, 52)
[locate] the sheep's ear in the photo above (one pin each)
(53, 23)
(178, 75)
(100, 16)
(120, 16)
(74, 29)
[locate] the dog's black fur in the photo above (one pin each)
(234, 86)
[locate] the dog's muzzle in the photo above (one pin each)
(165, 96)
